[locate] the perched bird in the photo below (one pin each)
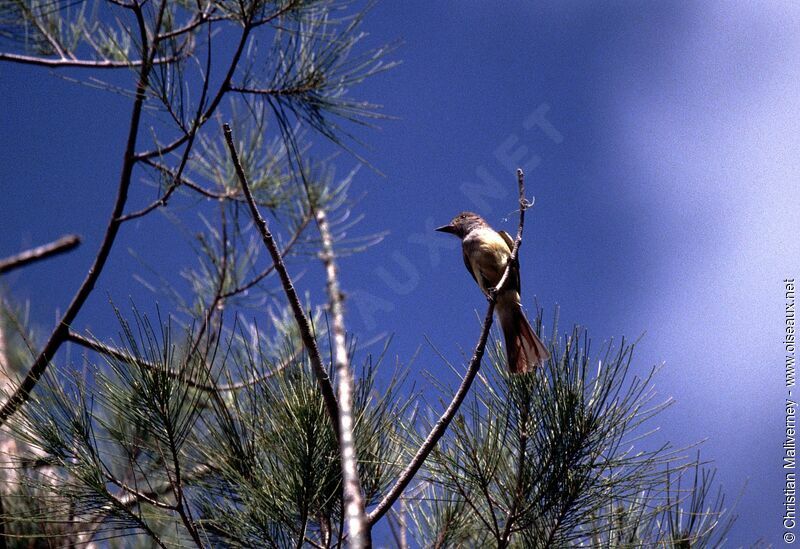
(486, 254)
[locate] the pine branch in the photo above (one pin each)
(130, 498)
(125, 357)
(221, 91)
(522, 442)
(303, 323)
(474, 365)
(263, 274)
(61, 63)
(51, 41)
(357, 527)
(63, 244)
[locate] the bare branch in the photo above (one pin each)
(58, 336)
(64, 62)
(357, 528)
(63, 244)
(474, 365)
(294, 301)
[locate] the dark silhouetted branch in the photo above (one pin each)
(63, 244)
(212, 106)
(59, 334)
(326, 388)
(472, 370)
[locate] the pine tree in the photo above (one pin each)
(215, 424)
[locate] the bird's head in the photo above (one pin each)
(462, 224)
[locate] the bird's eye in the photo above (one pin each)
(462, 216)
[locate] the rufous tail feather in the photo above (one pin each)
(524, 349)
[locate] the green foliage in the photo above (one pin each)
(560, 457)
(277, 474)
(204, 429)
(135, 444)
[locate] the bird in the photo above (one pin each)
(486, 254)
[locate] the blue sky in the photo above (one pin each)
(660, 142)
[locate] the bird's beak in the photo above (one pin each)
(446, 229)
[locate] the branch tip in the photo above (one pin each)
(62, 245)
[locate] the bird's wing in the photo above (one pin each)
(468, 265)
(514, 282)
(508, 239)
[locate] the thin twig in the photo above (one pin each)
(182, 506)
(63, 244)
(198, 19)
(275, 92)
(125, 357)
(311, 542)
(294, 301)
(136, 496)
(129, 498)
(183, 180)
(221, 91)
(357, 528)
(263, 274)
(474, 365)
(192, 133)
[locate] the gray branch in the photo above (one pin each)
(357, 526)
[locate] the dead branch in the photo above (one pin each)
(357, 528)
(63, 244)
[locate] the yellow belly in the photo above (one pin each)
(488, 255)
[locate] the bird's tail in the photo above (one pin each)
(524, 348)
